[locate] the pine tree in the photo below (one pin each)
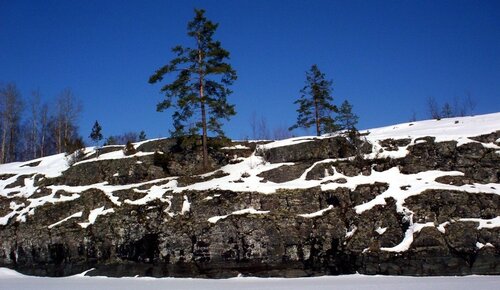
(96, 134)
(315, 103)
(142, 136)
(346, 119)
(201, 84)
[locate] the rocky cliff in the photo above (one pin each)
(419, 198)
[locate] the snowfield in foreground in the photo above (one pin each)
(12, 280)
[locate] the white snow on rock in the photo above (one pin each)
(50, 166)
(442, 227)
(250, 210)
(75, 215)
(119, 154)
(484, 223)
(481, 245)
(186, 205)
(156, 192)
(235, 147)
(351, 232)
(380, 230)
(243, 176)
(316, 214)
(94, 214)
(408, 239)
(212, 197)
(287, 142)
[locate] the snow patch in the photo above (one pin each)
(442, 227)
(250, 210)
(75, 215)
(484, 223)
(317, 213)
(236, 147)
(481, 245)
(408, 238)
(380, 230)
(350, 233)
(94, 214)
(287, 142)
(186, 206)
(212, 197)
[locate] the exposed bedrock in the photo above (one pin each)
(451, 229)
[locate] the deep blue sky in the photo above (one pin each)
(385, 57)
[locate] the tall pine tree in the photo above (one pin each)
(201, 84)
(315, 103)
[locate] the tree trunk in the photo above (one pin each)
(4, 141)
(316, 112)
(203, 109)
(12, 149)
(34, 137)
(204, 129)
(59, 135)
(43, 128)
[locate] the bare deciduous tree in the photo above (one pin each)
(413, 117)
(469, 103)
(44, 129)
(68, 109)
(446, 111)
(260, 130)
(253, 125)
(433, 108)
(33, 124)
(263, 129)
(281, 132)
(11, 107)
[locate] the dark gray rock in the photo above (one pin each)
(316, 149)
(158, 239)
(285, 173)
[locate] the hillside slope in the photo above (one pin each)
(419, 198)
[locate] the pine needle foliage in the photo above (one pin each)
(345, 118)
(200, 88)
(96, 134)
(316, 103)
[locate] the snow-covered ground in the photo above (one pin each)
(10, 280)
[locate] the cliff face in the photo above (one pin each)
(412, 199)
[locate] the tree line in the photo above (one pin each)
(33, 128)
(460, 107)
(198, 93)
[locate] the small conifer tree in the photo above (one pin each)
(316, 103)
(142, 136)
(345, 118)
(96, 134)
